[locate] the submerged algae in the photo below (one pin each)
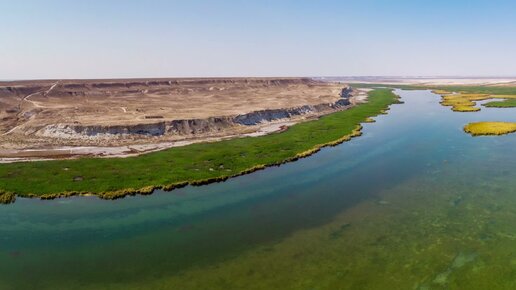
(418, 240)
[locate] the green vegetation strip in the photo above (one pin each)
(194, 164)
(509, 103)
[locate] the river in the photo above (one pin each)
(414, 203)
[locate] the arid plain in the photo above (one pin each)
(65, 118)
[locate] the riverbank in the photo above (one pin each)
(507, 103)
(194, 164)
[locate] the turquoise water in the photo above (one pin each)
(414, 203)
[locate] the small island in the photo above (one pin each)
(490, 128)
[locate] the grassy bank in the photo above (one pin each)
(193, 164)
(508, 103)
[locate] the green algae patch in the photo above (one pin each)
(424, 233)
(490, 128)
(195, 164)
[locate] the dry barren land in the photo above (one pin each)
(428, 81)
(122, 117)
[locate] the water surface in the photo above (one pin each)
(414, 203)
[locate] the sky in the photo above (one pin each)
(194, 38)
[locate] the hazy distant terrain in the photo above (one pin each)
(493, 81)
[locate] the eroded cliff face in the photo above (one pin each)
(158, 129)
(192, 127)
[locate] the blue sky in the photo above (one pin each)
(102, 39)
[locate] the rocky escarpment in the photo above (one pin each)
(189, 127)
(258, 117)
(173, 127)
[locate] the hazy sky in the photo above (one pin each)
(100, 39)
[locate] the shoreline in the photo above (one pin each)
(386, 96)
(10, 197)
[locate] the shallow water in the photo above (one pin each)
(414, 203)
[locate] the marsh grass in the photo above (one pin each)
(7, 197)
(195, 164)
(490, 128)
(463, 102)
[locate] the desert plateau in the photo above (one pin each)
(67, 118)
